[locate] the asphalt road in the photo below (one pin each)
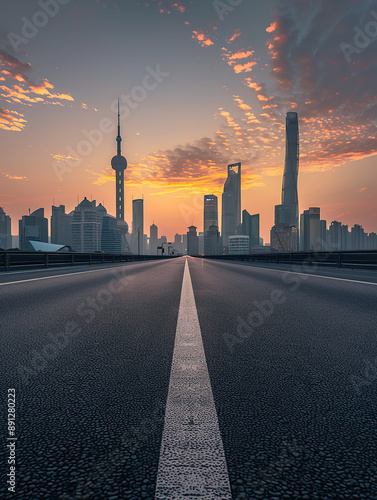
(292, 362)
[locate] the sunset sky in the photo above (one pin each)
(227, 77)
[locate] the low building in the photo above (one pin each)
(238, 244)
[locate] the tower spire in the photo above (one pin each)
(118, 139)
(119, 164)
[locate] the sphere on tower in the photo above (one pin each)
(118, 162)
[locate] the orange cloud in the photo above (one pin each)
(262, 97)
(241, 55)
(241, 103)
(233, 37)
(202, 39)
(239, 68)
(25, 91)
(253, 85)
(15, 177)
(272, 27)
(11, 120)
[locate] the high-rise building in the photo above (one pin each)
(192, 241)
(283, 238)
(184, 243)
(210, 220)
(178, 243)
(86, 227)
(137, 227)
(231, 203)
(358, 237)
(5, 231)
(33, 227)
(289, 196)
(345, 237)
(210, 212)
(323, 234)
(334, 236)
(250, 227)
(212, 241)
(372, 241)
(284, 233)
(61, 226)
(310, 230)
(111, 235)
(153, 239)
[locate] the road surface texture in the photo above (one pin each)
(130, 378)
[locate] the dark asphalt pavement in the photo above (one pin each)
(292, 361)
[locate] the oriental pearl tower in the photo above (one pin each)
(119, 164)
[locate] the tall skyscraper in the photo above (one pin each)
(310, 230)
(33, 227)
(210, 212)
(61, 226)
(86, 227)
(212, 241)
(358, 237)
(111, 235)
(250, 227)
(5, 230)
(284, 233)
(323, 234)
(119, 164)
(192, 241)
(334, 236)
(210, 220)
(138, 227)
(231, 203)
(153, 238)
(289, 195)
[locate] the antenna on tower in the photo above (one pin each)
(119, 139)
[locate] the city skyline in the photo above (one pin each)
(233, 85)
(91, 228)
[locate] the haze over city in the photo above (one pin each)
(225, 80)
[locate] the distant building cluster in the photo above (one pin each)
(89, 228)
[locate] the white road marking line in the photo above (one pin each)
(192, 461)
(67, 274)
(307, 274)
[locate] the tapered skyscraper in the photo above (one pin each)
(231, 203)
(119, 164)
(289, 196)
(284, 233)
